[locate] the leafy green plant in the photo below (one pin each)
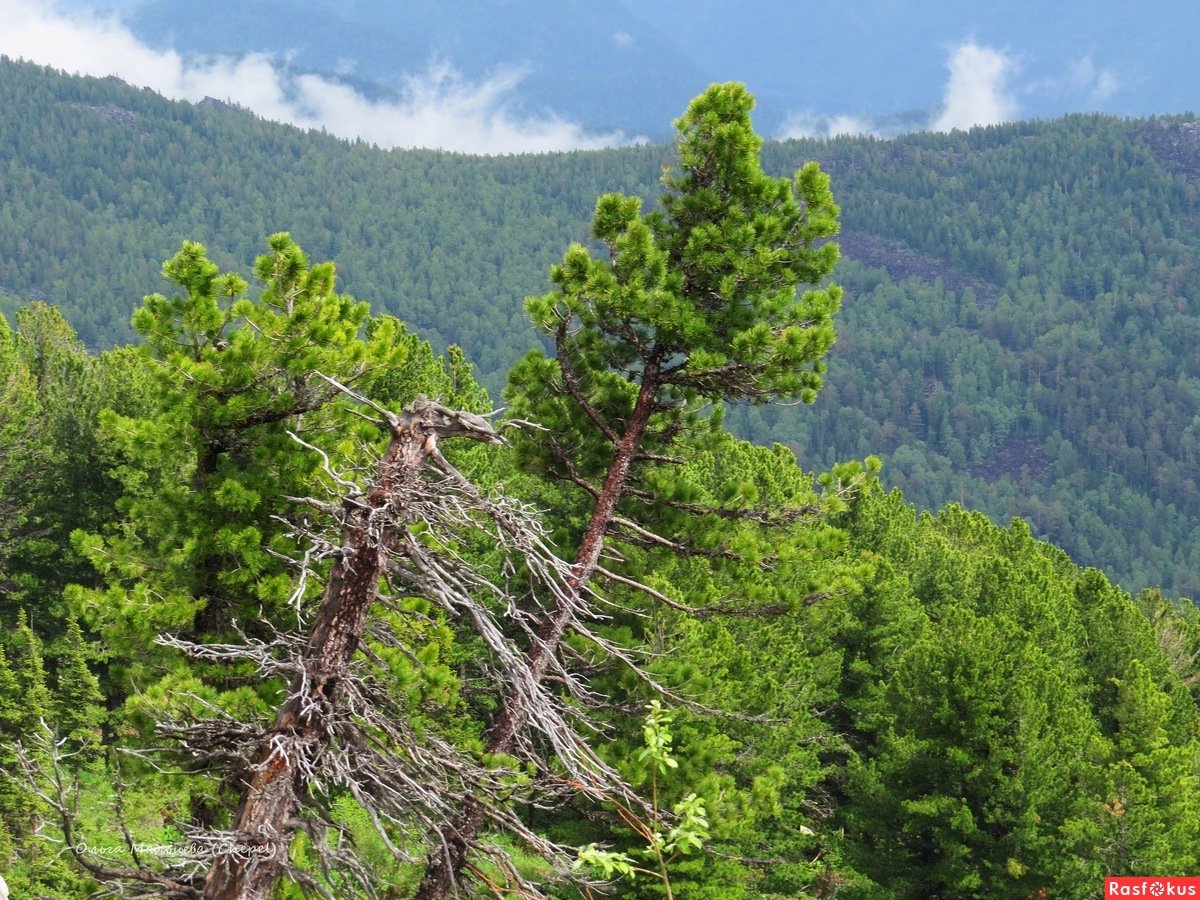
(665, 842)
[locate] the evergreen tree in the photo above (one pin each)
(78, 700)
(973, 783)
(203, 533)
(36, 699)
(12, 802)
(53, 476)
(694, 304)
(214, 524)
(20, 450)
(1000, 707)
(204, 536)
(1150, 819)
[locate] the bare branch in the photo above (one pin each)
(390, 419)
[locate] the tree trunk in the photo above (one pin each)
(269, 812)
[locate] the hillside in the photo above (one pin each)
(1020, 332)
(1021, 301)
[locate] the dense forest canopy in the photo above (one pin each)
(1020, 310)
(251, 545)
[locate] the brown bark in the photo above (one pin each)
(444, 864)
(269, 812)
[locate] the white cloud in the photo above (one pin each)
(1107, 84)
(440, 109)
(1084, 78)
(811, 125)
(977, 93)
(623, 39)
(843, 125)
(1080, 83)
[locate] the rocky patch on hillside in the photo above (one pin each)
(900, 261)
(1175, 144)
(1021, 457)
(108, 111)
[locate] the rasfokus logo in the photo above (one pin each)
(1151, 886)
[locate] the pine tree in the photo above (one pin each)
(209, 532)
(201, 542)
(975, 781)
(215, 553)
(51, 477)
(13, 804)
(1150, 818)
(695, 304)
(20, 456)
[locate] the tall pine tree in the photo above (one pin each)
(692, 304)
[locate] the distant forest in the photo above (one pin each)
(1022, 301)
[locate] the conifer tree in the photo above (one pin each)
(25, 715)
(975, 780)
(51, 481)
(37, 702)
(221, 487)
(207, 469)
(78, 700)
(693, 304)
(207, 538)
(10, 700)
(20, 414)
(12, 802)
(1150, 819)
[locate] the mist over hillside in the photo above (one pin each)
(536, 75)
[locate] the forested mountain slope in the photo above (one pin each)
(102, 182)
(1018, 333)
(1021, 332)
